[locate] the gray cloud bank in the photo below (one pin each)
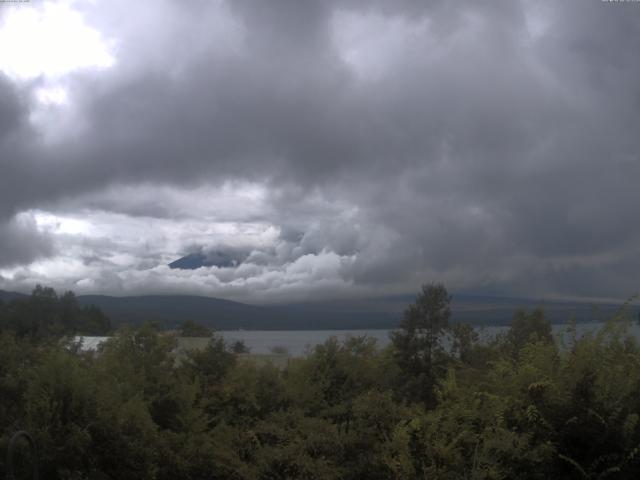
(345, 148)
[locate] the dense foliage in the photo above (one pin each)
(44, 314)
(522, 405)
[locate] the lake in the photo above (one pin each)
(297, 342)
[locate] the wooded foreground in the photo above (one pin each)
(523, 405)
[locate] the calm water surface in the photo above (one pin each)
(298, 342)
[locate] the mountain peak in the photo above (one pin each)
(194, 261)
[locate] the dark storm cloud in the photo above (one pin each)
(22, 243)
(11, 111)
(491, 145)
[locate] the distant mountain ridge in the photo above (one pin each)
(172, 310)
(8, 296)
(381, 312)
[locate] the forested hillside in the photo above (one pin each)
(382, 312)
(521, 406)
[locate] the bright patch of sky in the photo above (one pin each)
(49, 40)
(40, 46)
(370, 44)
(537, 19)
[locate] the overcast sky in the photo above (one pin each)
(336, 148)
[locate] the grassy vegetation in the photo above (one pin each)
(519, 406)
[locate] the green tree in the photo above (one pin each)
(60, 404)
(83, 320)
(417, 343)
(210, 365)
(239, 347)
(189, 328)
(527, 328)
(45, 315)
(464, 342)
